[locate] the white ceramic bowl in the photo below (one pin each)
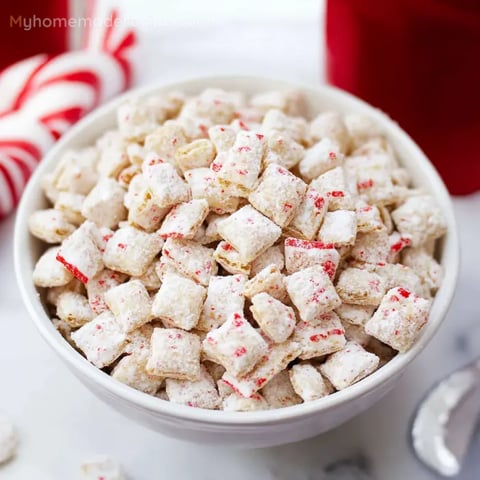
(252, 429)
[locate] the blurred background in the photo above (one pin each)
(418, 61)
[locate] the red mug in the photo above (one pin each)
(419, 61)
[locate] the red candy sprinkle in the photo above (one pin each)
(404, 293)
(227, 247)
(237, 320)
(240, 351)
(319, 203)
(244, 149)
(259, 136)
(122, 246)
(336, 194)
(203, 129)
(307, 244)
(216, 167)
(330, 268)
(365, 184)
(260, 381)
(72, 269)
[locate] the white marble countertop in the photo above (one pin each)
(61, 423)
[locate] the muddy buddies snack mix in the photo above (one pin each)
(228, 253)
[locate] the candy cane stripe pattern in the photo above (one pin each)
(43, 96)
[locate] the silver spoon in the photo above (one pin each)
(445, 420)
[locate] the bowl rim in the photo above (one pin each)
(180, 412)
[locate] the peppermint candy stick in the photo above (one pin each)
(43, 96)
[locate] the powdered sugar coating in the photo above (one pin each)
(201, 393)
(101, 340)
(349, 365)
(198, 208)
(309, 383)
(250, 232)
(236, 345)
(399, 318)
(225, 296)
(174, 305)
(174, 353)
(312, 292)
(278, 194)
(322, 337)
(275, 319)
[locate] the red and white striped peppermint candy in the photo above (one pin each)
(43, 96)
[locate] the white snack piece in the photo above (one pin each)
(203, 184)
(8, 440)
(279, 392)
(131, 250)
(278, 357)
(101, 340)
(101, 467)
(269, 280)
(104, 204)
(321, 337)
(420, 219)
(271, 256)
(201, 393)
(399, 318)
(372, 247)
(50, 225)
(309, 215)
(301, 254)
(184, 219)
(333, 184)
(250, 232)
(179, 301)
(225, 296)
(349, 365)
(354, 314)
(231, 260)
(48, 272)
(143, 211)
(360, 287)
(278, 194)
(276, 121)
(312, 292)
(241, 168)
(130, 303)
(238, 403)
(275, 319)
(339, 228)
(235, 345)
(174, 353)
(80, 254)
(99, 284)
(70, 205)
(76, 171)
(191, 259)
(282, 150)
(165, 185)
(198, 154)
(74, 309)
(331, 125)
(427, 268)
(308, 382)
(131, 370)
(320, 158)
